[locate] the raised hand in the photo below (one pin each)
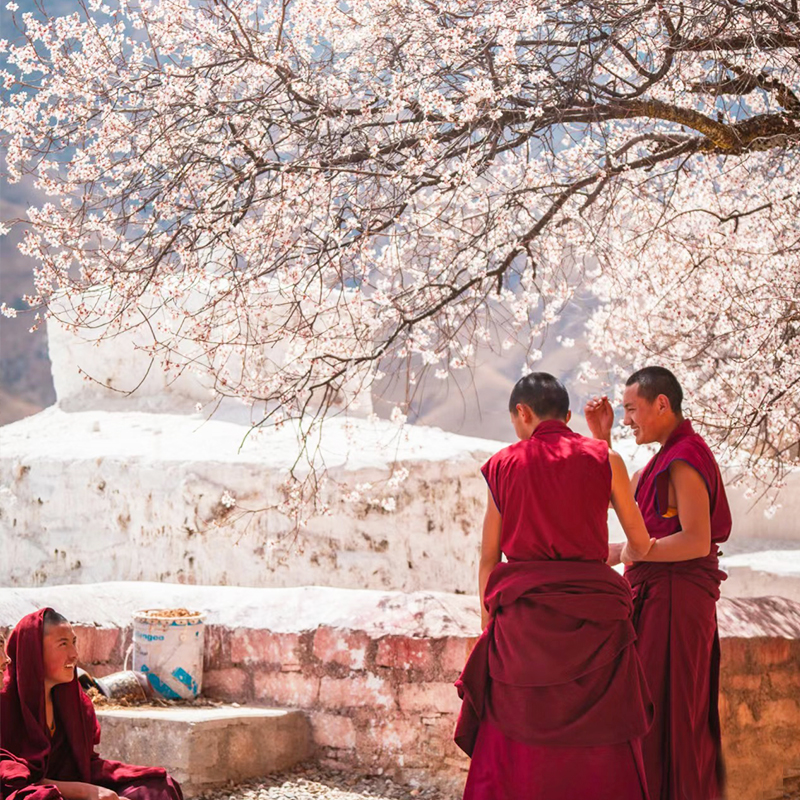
(600, 417)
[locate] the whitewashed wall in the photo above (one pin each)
(101, 496)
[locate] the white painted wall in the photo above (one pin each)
(102, 496)
(110, 496)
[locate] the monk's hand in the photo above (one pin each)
(100, 793)
(614, 554)
(630, 554)
(599, 417)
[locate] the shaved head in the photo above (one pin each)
(52, 618)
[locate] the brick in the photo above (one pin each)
(743, 682)
(97, 645)
(333, 730)
(252, 646)
(460, 763)
(419, 697)
(288, 689)
(437, 748)
(772, 651)
(734, 654)
(230, 684)
(744, 716)
(357, 691)
(455, 656)
(786, 683)
(780, 713)
(402, 652)
(347, 648)
(390, 735)
(216, 647)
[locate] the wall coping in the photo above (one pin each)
(424, 614)
(111, 605)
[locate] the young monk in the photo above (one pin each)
(554, 700)
(676, 585)
(14, 773)
(49, 730)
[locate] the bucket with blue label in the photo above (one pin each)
(168, 648)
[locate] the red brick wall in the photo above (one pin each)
(760, 711)
(383, 704)
(388, 704)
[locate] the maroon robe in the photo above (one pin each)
(15, 779)
(70, 755)
(554, 699)
(676, 622)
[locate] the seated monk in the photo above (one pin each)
(14, 773)
(554, 698)
(48, 728)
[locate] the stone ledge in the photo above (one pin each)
(207, 747)
(759, 617)
(256, 612)
(345, 620)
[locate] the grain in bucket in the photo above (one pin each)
(168, 648)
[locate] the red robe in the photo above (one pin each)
(554, 700)
(676, 622)
(30, 753)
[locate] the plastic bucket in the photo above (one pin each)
(168, 648)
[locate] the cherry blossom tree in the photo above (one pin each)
(290, 195)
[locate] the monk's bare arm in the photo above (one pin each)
(490, 551)
(694, 540)
(75, 790)
(628, 513)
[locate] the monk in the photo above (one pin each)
(554, 703)
(14, 773)
(48, 728)
(676, 585)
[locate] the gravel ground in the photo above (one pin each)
(312, 782)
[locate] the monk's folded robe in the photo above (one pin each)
(15, 780)
(70, 754)
(556, 664)
(675, 618)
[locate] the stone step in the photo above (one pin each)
(204, 747)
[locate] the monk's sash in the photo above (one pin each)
(557, 664)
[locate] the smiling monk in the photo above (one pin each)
(676, 585)
(48, 728)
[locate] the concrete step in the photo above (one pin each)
(207, 747)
